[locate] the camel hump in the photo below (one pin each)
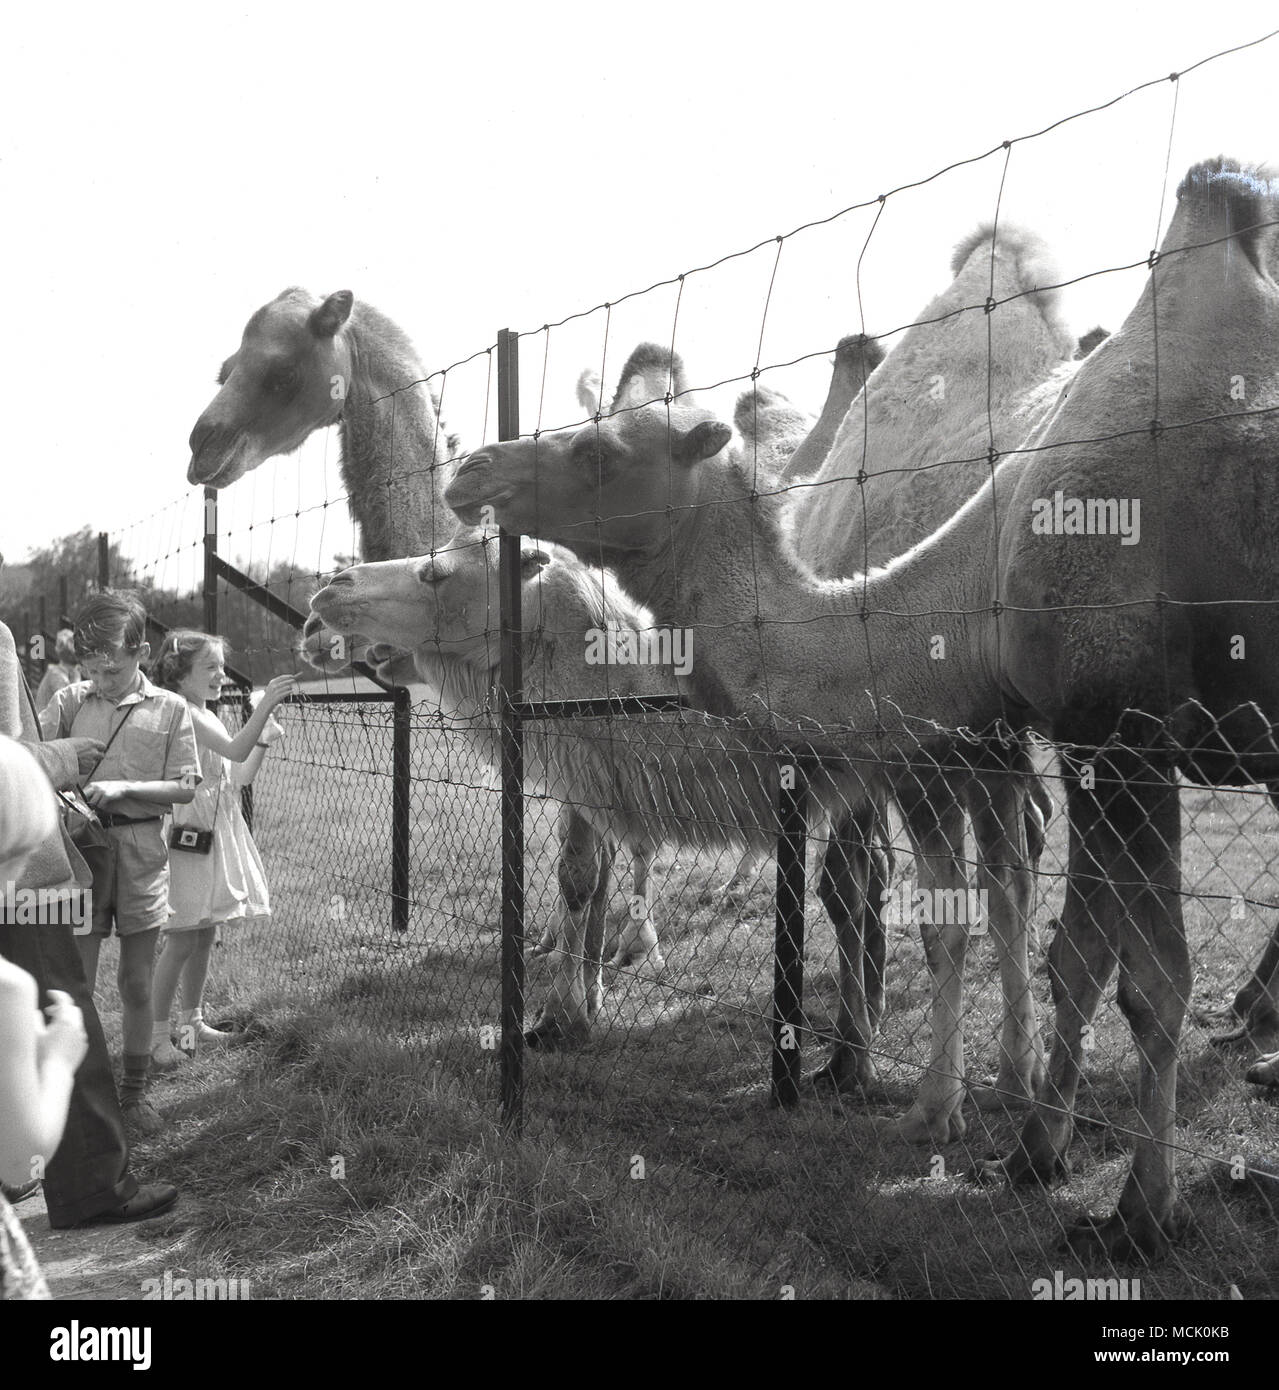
(856, 345)
(651, 371)
(1028, 251)
(1239, 195)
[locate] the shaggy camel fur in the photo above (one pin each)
(682, 781)
(1049, 626)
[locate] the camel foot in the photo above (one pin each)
(916, 1126)
(846, 1070)
(1039, 1158)
(550, 1032)
(649, 962)
(1140, 1238)
(994, 1095)
(1264, 1071)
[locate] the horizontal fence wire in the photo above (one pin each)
(946, 898)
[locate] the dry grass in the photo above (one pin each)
(352, 1149)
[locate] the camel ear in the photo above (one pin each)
(530, 562)
(332, 314)
(703, 441)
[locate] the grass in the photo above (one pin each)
(352, 1150)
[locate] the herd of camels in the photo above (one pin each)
(897, 627)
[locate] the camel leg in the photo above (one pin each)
(848, 879)
(1154, 986)
(565, 828)
(1081, 958)
(1256, 1006)
(1121, 899)
(997, 806)
(596, 917)
(935, 823)
(637, 943)
(565, 1015)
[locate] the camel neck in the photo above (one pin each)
(392, 449)
(900, 649)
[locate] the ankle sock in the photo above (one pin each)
(159, 1032)
(133, 1082)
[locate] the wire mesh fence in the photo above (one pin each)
(1085, 533)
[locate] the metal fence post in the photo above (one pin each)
(210, 557)
(788, 957)
(104, 561)
(400, 717)
(246, 792)
(511, 690)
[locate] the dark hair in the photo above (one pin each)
(177, 654)
(110, 616)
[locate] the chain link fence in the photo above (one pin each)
(676, 975)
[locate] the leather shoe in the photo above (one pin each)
(14, 1195)
(151, 1199)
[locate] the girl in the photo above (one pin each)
(225, 883)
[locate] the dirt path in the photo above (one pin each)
(105, 1262)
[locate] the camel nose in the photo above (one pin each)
(199, 436)
(341, 577)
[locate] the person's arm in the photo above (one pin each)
(211, 732)
(38, 1061)
(242, 774)
(176, 793)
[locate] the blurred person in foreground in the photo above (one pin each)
(38, 1059)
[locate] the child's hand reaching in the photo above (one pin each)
(278, 689)
(63, 1037)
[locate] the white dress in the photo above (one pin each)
(228, 884)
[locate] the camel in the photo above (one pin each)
(907, 488)
(305, 363)
(684, 781)
(1119, 652)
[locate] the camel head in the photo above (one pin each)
(331, 653)
(289, 378)
(602, 489)
(447, 601)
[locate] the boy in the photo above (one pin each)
(150, 764)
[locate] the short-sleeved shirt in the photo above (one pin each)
(157, 743)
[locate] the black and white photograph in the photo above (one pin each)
(639, 661)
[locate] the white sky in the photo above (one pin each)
(470, 167)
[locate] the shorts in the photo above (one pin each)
(132, 893)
